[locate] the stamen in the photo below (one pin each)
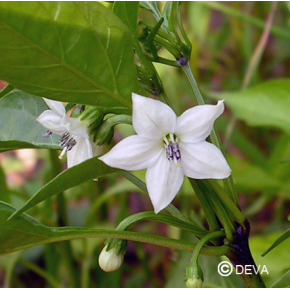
(47, 134)
(173, 153)
(68, 142)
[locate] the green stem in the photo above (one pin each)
(228, 182)
(202, 242)
(217, 207)
(193, 84)
(70, 233)
(162, 218)
(206, 207)
(66, 248)
(239, 217)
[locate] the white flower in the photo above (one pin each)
(75, 138)
(169, 147)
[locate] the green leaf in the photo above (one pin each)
(127, 11)
(283, 282)
(4, 190)
(6, 90)
(267, 104)
(85, 171)
(18, 125)
(79, 52)
(281, 239)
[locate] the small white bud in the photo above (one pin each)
(109, 261)
(193, 283)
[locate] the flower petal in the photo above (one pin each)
(195, 124)
(163, 180)
(75, 126)
(80, 152)
(51, 121)
(203, 160)
(55, 106)
(151, 118)
(133, 153)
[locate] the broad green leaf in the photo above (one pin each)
(281, 239)
(127, 11)
(79, 52)
(267, 104)
(85, 171)
(18, 125)
(283, 282)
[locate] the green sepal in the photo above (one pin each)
(104, 133)
(119, 245)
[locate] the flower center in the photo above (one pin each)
(172, 149)
(67, 141)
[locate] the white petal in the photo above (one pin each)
(203, 160)
(80, 152)
(56, 106)
(133, 153)
(51, 121)
(152, 119)
(195, 124)
(163, 181)
(75, 126)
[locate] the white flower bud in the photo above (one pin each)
(193, 283)
(109, 261)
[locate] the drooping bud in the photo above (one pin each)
(110, 261)
(112, 255)
(194, 276)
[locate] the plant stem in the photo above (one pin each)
(65, 246)
(241, 255)
(162, 218)
(80, 233)
(228, 182)
(202, 242)
(206, 207)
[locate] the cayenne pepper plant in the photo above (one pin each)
(78, 75)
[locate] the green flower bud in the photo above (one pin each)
(194, 276)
